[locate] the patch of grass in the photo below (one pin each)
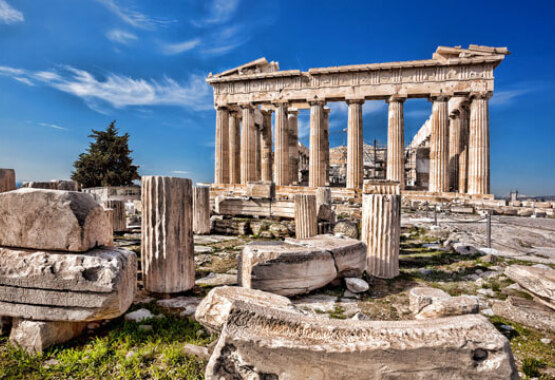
(118, 350)
(531, 367)
(337, 313)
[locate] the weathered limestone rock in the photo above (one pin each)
(119, 216)
(538, 281)
(284, 268)
(356, 285)
(57, 286)
(349, 254)
(201, 210)
(266, 190)
(432, 303)
(527, 312)
(7, 180)
(346, 228)
(306, 216)
(55, 184)
(214, 309)
(381, 226)
(35, 336)
(167, 245)
(272, 343)
(53, 220)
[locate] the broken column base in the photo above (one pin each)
(35, 336)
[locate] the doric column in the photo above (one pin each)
(316, 164)
(248, 145)
(326, 144)
(292, 116)
(478, 146)
(439, 145)
(167, 248)
(282, 145)
(119, 217)
(355, 145)
(395, 170)
(221, 165)
(454, 148)
(463, 155)
(201, 210)
(257, 152)
(381, 226)
(266, 150)
(306, 216)
(234, 148)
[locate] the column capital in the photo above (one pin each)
(316, 101)
(267, 112)
(280, 102)
(454, 113)
(246, 105)
(293, 111)
(481, 95)
(442, 97)
(221, 107)
(396, 98)
(327, 111)
(354, 100)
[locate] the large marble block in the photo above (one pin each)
(538, 281)
(259, 342)
(57, 286)
(53, 220)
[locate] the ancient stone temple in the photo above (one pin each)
(458, 82)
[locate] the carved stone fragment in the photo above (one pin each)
(35, 336)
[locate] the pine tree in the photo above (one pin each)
(107, 162)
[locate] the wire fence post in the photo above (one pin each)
(489, 228)
(435, 215)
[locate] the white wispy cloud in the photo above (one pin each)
(133, 17)
(53, 126)
(180, 172)
(180, 47)
(8, 14)
(120, 90)
(120, 36)
(507, 96)
(225, 40)
(24, 80)
(219, 12)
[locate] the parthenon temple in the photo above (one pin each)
(457, 81)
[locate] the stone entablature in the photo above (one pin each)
(451, 71)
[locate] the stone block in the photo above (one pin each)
(284, 268)
(7, 180)
(55, 184)
(266, 190)
(35, 336)
(538, 281)
(260, 342)
(214, 309)
(55, 286)
(53, 220)
(432, 303)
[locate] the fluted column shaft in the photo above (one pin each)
(266, 149)
(326, 145)
(395, 169)
(201, 210)
(258, 152)
(463, 155)
(248, 146)
(478, 146)
(119, 215)
(282, 146)
(454, 149)
(439, 146)
(221, 165)
(234, 149)
(306, 216)
(167, 248)
(316, 163)
(381, 226)
(355, 145)
(292, 116)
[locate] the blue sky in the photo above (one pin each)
(67, 67)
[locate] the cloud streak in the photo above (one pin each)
(53, 126)
(8, 14)
(132, 17)
(118, 90)
(121, 36)
(181, 47)
(219, 12)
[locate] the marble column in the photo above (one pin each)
(282, 145)
(454, 149)
(306, 216)
(395, 169)
(316, 175)
(119, 216)
(266, 149)
(234, 148)
(439, 145)
(478, 146)
(355, 145)
(257, 152)
(167, 248)
(221, 165)
(292, 116)
(381, 226)
(326, 145)
(201, 210)
(248, 145)
(463, 155)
